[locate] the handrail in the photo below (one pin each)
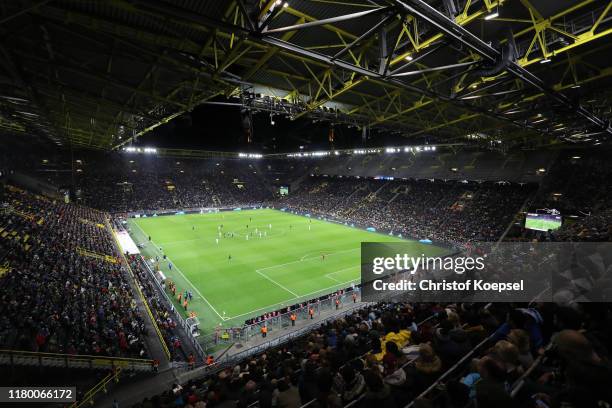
(76, 357)
(451, 370)
(368, 352)
(88, 396)
(362, 396)
(291, 335)
(518, 384)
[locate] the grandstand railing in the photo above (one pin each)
(520, 382)
(30, 358)
(281, 321)
(410, 362)
(452, 369)
(88, 397)
(232, 359)
(293, 334)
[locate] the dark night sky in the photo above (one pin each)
(214, 127)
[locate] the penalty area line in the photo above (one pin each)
(329, 275)
(276, 283)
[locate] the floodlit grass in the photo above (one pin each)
(542, 224)
(280, 268)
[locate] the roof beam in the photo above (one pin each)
(326, 21)
(454, 30)
(23, 11)
(14, 70)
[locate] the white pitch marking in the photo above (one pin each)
(184, 277)
(276, 283)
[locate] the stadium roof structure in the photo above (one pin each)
(100, 74)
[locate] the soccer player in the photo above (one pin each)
(169, 265)
(229, 258)
(217, 239)
(193, 227)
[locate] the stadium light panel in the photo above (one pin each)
(493, 14)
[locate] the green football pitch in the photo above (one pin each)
(280, 263)
(542, 224)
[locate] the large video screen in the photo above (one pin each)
(542, 222)
(283, 190)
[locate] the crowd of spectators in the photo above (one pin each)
(62, 288)
(158, 184)
(161, 310)
(576, 184)
(451, 212)
(494, 356)
(577, 187)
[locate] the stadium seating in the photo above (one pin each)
(63, 289)
(164, 318)
(441, 211)
(466, 355)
